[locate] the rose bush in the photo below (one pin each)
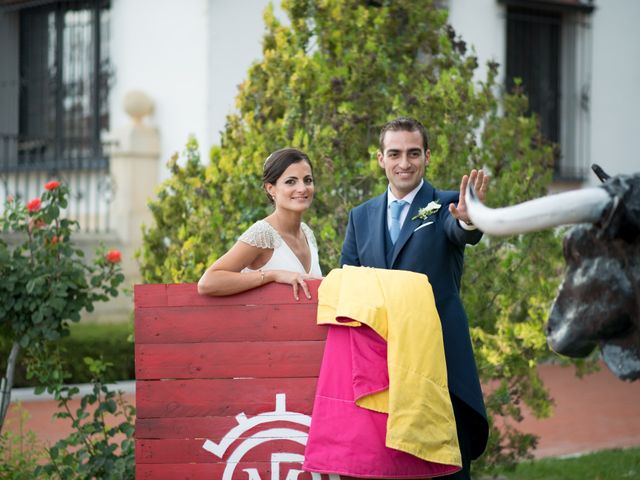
(46, 282)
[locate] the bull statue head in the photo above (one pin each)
(598, 302)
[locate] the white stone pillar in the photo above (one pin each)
(134, 174)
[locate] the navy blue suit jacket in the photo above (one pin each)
(435, 247)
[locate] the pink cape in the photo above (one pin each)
(344, 438)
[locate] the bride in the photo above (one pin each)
(279, 248)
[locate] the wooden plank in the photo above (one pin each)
(186, 295)
(228, 324)
(152, 295)
(181, 471)
(214, 471)
(192, 451)
(202, 427)
(184, 427)
(222, 397)
(229, 360)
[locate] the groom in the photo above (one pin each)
(402, 229)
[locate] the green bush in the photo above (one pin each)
(326, 84)
(94, 449)
(108, 341)
(20, 451)
(46, 283)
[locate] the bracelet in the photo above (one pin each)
(261, 277)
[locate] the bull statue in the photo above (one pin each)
(598, 302)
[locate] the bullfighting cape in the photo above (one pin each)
(382, 405)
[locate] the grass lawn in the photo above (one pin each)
(604, 465)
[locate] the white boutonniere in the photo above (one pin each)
(430, 209)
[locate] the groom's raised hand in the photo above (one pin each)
(480, 183)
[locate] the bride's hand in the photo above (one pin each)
(296, 280)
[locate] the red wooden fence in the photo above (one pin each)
(224, 386)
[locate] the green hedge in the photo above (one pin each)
(109, 341)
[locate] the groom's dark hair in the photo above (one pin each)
(276, 163)
(404, 124)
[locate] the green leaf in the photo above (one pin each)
(54, 452)
(111, 406)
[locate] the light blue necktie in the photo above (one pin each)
(396, 209)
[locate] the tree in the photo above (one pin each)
(326, 84)
(46, 283)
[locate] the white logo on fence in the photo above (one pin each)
(280, 414)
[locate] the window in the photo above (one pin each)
(64, 86)
(548, 49)
(533, 55)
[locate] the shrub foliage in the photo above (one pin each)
(108, 341)
(46, 281)
(327, 82)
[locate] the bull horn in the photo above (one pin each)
(577, 206)
(600, 173)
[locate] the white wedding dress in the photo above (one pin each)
(262, 235)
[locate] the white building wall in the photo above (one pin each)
(160, 47)
(191, 57)
(615, 99)
(613, 73)
(482, 24)
(235, 40)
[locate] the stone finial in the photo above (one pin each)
(138, 105)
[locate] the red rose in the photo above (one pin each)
(113, 256)
(52, 185)
(34, 205)
(56, 239)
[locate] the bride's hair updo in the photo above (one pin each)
(278, 162)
